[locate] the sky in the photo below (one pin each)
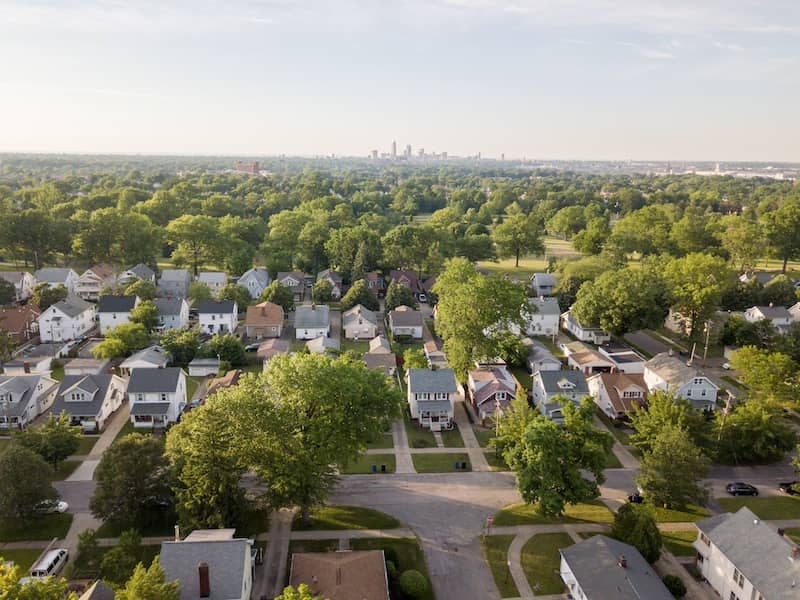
(557, 79)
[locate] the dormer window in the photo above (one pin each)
(77, 396)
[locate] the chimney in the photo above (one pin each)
(205, 582)
(26, 367)
(177, 533)
(623, 562)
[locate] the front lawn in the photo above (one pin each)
(22, 558)
(405, 553)
(622, 436)
(364, 463)
(452, 438)
(612, 462)
(680, 542)
(383, 441)
(440, 463)
(345, 517)
(483, 434)
(495, 551)
(64, 470)
(357, 347)
(496, 461)
(525, 514)
(794, 534)
(691, 514)
(126, 429)
(769, 509)
(86, 444)
(44, 527)
(541, 561)
(522, 375)
(417, 436)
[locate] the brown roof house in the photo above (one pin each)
(380, 356)
(618, 394)
(271, 348)
(264, 320)
(20, 322)
(342, 575)
(491, 390)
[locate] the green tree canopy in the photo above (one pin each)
(237, 293)
(146, 290)
(755, 432)
(767, 375)
(182, 345)
(322, 292)
(301, 593)
(663, 411)
(54, 441)
(782, 231)
(278, 294)
(45, 296)
(146, 314)
(518, 234)
(46, 588)
(149, 584)
(8, 293)
(195, 239)
(414, 358)
(636, 525)
(26, 483)
(359, 293)
(123, 340)
(227, 347)
(198, 292)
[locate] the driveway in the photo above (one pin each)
(646, 342)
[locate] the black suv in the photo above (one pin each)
(739, 488)
(790, 487)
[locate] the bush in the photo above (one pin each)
(391, 570)
(413, 584)
(674, 585)
(390, 555)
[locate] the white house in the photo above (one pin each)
(584, 333)
(173, 313)
(93, 280)
(359, 323)
(87, 366)
(23, 283)
(405, 321)
(214, 280)
(255, 281)
(669, 373)
(541, 359)
(491, 389)
(55, 276)
(153, 357)
(113, 311)
(24, 397)
(779, 316)
(335, 279)
(295, 281)
(549, 384)
(625, 359)
(617, 394)
(157, 396)
(322, 345)
(204, 367)
(544, 317)
(432, 396)
(89, 400)
(140, 272)
(589, 362)
(174, 283)
(794, 311)
(744, 558)
(218, 316)
(66, 320)
(543, 284)
(311, 321)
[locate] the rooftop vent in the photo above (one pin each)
(622, 562)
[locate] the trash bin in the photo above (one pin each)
(455, 465)
(374, 468)
(464, 465)
(383, 468)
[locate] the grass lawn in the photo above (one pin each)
(680, 542)
(357, 347)
(618, 432)
(81, 570)
(522, 375)
(382, 441)
(345, 517)
(793, 533)
(64, 470)
(58, 372)
(541, 560)
(483, 434)
(45, 527)
(126, 429)
(86, 445)
(525, 514)
(452, 438)
(612, 462)
(734, 382)
(155, 523)
(692, 514)
(495, 551)
(312, 546)
(440, 463)
(417, 436)
(365, 462)
(22, 558)
(496, 461)
(404, 552)
(528, 265)
(769, 509)
(191, 386)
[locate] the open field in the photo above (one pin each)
(529, 265)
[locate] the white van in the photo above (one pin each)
(50, 564)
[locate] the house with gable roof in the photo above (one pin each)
(312, 321)
(544, 317)
(174, 283)
(22, 281)
(618, 394)
(547, 385)
(405, 278)
(20, 322)
(218, 316)
(665, 372)
(779, 316)
(113, 311)
(157, 396)
(405, 321)
(264, 320)
(490, 390)
(55, 276)
(359, 323)
(214, 281)
(89, 400)
(350, 575)
(583, 332)
(295, 281)
(24, 397)
(66, 320)
(255, 281)
(140, 272)
(93, 280)
(173, 313)
(543, 284)
(380, 356)
(335, 279)
(431, 397)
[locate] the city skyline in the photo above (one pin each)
(607, 80)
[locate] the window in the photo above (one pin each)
(733, 596)
(738, 577)
(164, 397)
(704, 539)
(139, 397)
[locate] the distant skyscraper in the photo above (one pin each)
(503, 156)
(394, 149)
(421, 152)
(408, 150)
(374, 154)
(444, 155)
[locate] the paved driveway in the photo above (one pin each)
(646, 342)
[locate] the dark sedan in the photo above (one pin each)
(635, 498)
(739, 488)
(790, 487)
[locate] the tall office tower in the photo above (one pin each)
(374, 154)
(421, 152)
(394, 149)
(444, 155)
(503, 156)
(408, 150)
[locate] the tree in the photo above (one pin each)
(398, 295)
(322, 291)
(45, 296)
(146, 314)
(662, 412)
(675, 585)
(636, 525)
(199, 292)
(359, 293)
(181, 344)
(621, 301)
(767, 375)
(408, 246)
(110, 348)
(518, 234)
(755, 432)
(591, 239)
(548, 458)
(118, 564)
(7, 346)
(567, 222)
(301, 593)
(124, 339)
(644, 231)
(149, 584)
(782, 231)
(8, 293)
(195, 238)
(132, 473)
(45, 588)
(237, 293)
(739, 332)
(671, 469)
(743, 240)
(54, 441)
(227, 347)
(26, 484)
(278, 294)
(414, 358)
(89, 549)
(146, 290)
(780, 291)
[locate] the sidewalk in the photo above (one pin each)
(271, 576)
(401, 450)
(476, 456)
(113, 427)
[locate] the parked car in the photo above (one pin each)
(740, 488)
(252, 347)
(635, 498)
(423, 298)
(52, 506)
(790, 487)
(726, 366)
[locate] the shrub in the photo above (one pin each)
(391, 570)
(674, 585)
(413, 584)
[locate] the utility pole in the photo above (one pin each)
(705, 349)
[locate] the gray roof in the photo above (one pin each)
(205, 362)
(594, 563)
(155, 355)
(154, 380)
(98, 591)
(115, 304)
(774, 312)
(149, 408)
(225, 560)
(426, 380)
(551, 380)
(260, 275)
(12, 276)
(97, 385)
(757, 551)
(52, 275)
(72, 306)
(322, 343)
(546, 279)
(142, 271)
(334, 275)
(545, 306)
(540, 353)
(352, 315)
(308, 317)
(672, 370)
(21, 387)
(216, 307)
(169, 306)
(174, 275)
(213, 277)
(405, 318)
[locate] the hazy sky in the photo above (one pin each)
(671, 79)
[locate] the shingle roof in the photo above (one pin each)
(328, 273)
(208, 307)
(540, 353)
(149, 408)
(352, 315)
(98, 383)
(98, 591)
(616, 382)
(273, 347)
(403, 316)
(101, 271)
(142, 271)
(16, 319)
(358, 575)
(52, 275)
(72, 306)
(309, 317)
(552, 380)
(174, 275)
(426, 380)
(298, 275)
(12, 276)
(169, 306)
(259, 274)
(155, 355)
(671, 369)
(321, 344)
(774, 312)
(380, 345)
(154, 380)
(21, 387)
(266, 313)
(116, 304)
(595, 564)
(545, 279)
(214, 277)
(545, 306)
(408, 278)
(387, 362)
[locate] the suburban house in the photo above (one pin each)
(618, 394)
(89, 400)
(218, 316)
(174, 283)
(98, 591)
(543, 284)
(210, 563)
(140, 272)
(350, 575)
(435, 354)
(322, 345)
(312, 321)
(264, 320)
(405, 278)
(545, 316)
(405, 321)
(115, 310)
(271, 348)
(87, 366)
(625, 359)
(230, 379)
(295, 281)
(20, 322)
(173, 313)
(153, 357)
(335, 279)
(427, 285)
(602, 568)
(24, 397)
(255, 281)
(214, 281)
(779, 316)
(549, 384)
(66, 320)
(541, 359)
(204, 367)
(584, 333)
(23, 283)
(762, 277)
(431, 397)
(380, 356)
(491, 389)
(375, 283)
(93, 280)
(589, 362)
(669, 373)
(55, 276)
(157, 396)
(744, 558)
(359, 323)
(794, 311)
(38, 359)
